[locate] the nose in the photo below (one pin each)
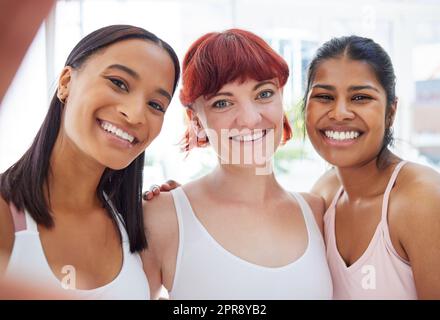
(340, 111)
(133, 111)
(248, 115)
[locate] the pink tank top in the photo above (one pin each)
(380, 273)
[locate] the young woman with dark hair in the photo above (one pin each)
(71, 206)
(382, 225)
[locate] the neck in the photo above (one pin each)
(243, 184)
(73, 178)
(366, 180)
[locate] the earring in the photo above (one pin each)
(202, 139)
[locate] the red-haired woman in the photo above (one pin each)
(225, 236)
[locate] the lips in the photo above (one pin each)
(255, 135)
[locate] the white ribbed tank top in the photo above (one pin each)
(206, 270)
(28, 263)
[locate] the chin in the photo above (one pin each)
(342, 162)
(117, 165)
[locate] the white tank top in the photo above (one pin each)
(28, 262)
(206, 270)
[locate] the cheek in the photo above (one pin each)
(151, 129)
(312, 115)
(75, 122)
(375, 122)
(216, 123)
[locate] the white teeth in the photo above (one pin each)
(107, 126)
(250, 137)
(344, 135)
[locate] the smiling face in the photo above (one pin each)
(116, 101)
(345, 112)
(243, 121)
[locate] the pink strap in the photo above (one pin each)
(18, 217)
(335, 199)
(390, 185)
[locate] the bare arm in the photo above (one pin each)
(162, 235)
(419, 234)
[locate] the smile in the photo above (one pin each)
(257, 135)
(342, 135)
(117, 132)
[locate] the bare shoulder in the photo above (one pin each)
(160, 216)
(418, 182)
(326, 186)
(317, 205)
(417, 198)
(6, 234)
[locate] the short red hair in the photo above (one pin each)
(218, 58)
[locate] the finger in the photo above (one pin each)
(173, 184)
(165, 187)
(148, 195)
(156, 191)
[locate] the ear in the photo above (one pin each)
(392, 113)
(64, 83)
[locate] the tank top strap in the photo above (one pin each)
(183, 208)
(119, 219)
(309, 218)
(23, 221)
(18, 218)
(390, 185)
(332, 208)
(31, 225)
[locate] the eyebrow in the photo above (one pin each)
(164, 93)
(258, 85)
(351, 88)
(136, 76)
(127, 70)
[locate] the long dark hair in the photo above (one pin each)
(23, 183)
(361, 49)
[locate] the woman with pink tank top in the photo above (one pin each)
(382, 224)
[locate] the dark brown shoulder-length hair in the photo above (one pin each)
(24, 182)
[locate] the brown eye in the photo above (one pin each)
(156, 106)
(361, 98)
(324, 97)
(120, 84)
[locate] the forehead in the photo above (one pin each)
(145, 57)
(346, 72)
